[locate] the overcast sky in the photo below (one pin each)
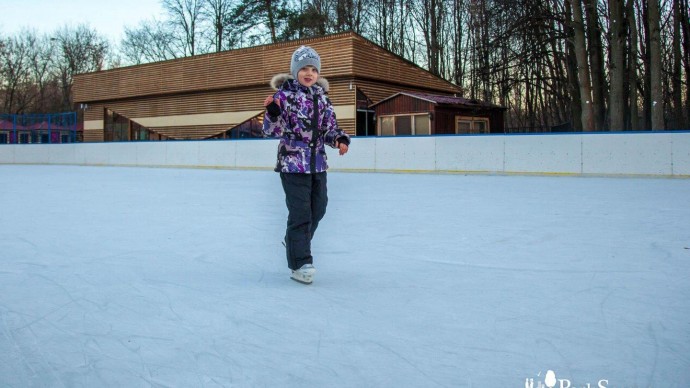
(45, 16)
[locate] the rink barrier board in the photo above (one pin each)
(664, 154)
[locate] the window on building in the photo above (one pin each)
(120, 128)
(401, 125)
(422, 125)
(116, 127)
(387, 126)
(4, 139)
(139, 132)
(473, 125)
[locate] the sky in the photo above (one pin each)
(153, 277)
(46, 16)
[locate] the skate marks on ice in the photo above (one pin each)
(164, 277)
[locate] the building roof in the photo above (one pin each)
(443, 100)
(4, 124)
(343, 55)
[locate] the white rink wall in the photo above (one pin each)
(635, 153)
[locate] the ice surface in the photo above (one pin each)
(130, 277)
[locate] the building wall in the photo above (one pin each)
(443, 122)
(205, 112)
(645, 153)
(403, 104)
(213, 92)
(445, 119)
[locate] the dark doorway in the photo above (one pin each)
(366, 120)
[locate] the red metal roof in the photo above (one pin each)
(7, 125)
(441, 99)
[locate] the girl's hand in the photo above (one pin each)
(272, 106)
(342, 147)
(269, 100)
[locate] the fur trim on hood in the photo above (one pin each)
(278, 80)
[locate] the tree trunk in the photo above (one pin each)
(596, 58)
(655, 58)
(617, 66)
(588, 123)
(676, 82)
(458, 62)
(646, 80)
(571, 62)
(632, 67)
(434, 51)
(685, 26)
(271, 20)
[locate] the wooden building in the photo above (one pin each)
(415, 113)
(206, 96)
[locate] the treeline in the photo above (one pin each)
(582, 65)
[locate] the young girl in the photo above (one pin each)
(301, 115)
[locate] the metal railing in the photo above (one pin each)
(38, 128)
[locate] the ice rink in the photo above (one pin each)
(145, 277)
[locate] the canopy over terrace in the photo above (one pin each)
(183, 127)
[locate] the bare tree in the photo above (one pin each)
(151, 41)
(349, 14)
(254, 20)
(80, 50)
(218, 14)
(429, 16)
(184, 19)
(384, 25)
(15, 73)
(41, 53)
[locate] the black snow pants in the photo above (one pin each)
(306, 199)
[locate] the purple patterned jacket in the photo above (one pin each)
(302, 139)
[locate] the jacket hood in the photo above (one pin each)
(279, 79)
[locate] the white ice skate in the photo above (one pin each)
(304, 275)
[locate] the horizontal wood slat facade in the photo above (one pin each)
(93, 136)
(240, 68)
(237, 81)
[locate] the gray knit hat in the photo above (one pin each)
(304, 56)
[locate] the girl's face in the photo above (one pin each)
(307, 76)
